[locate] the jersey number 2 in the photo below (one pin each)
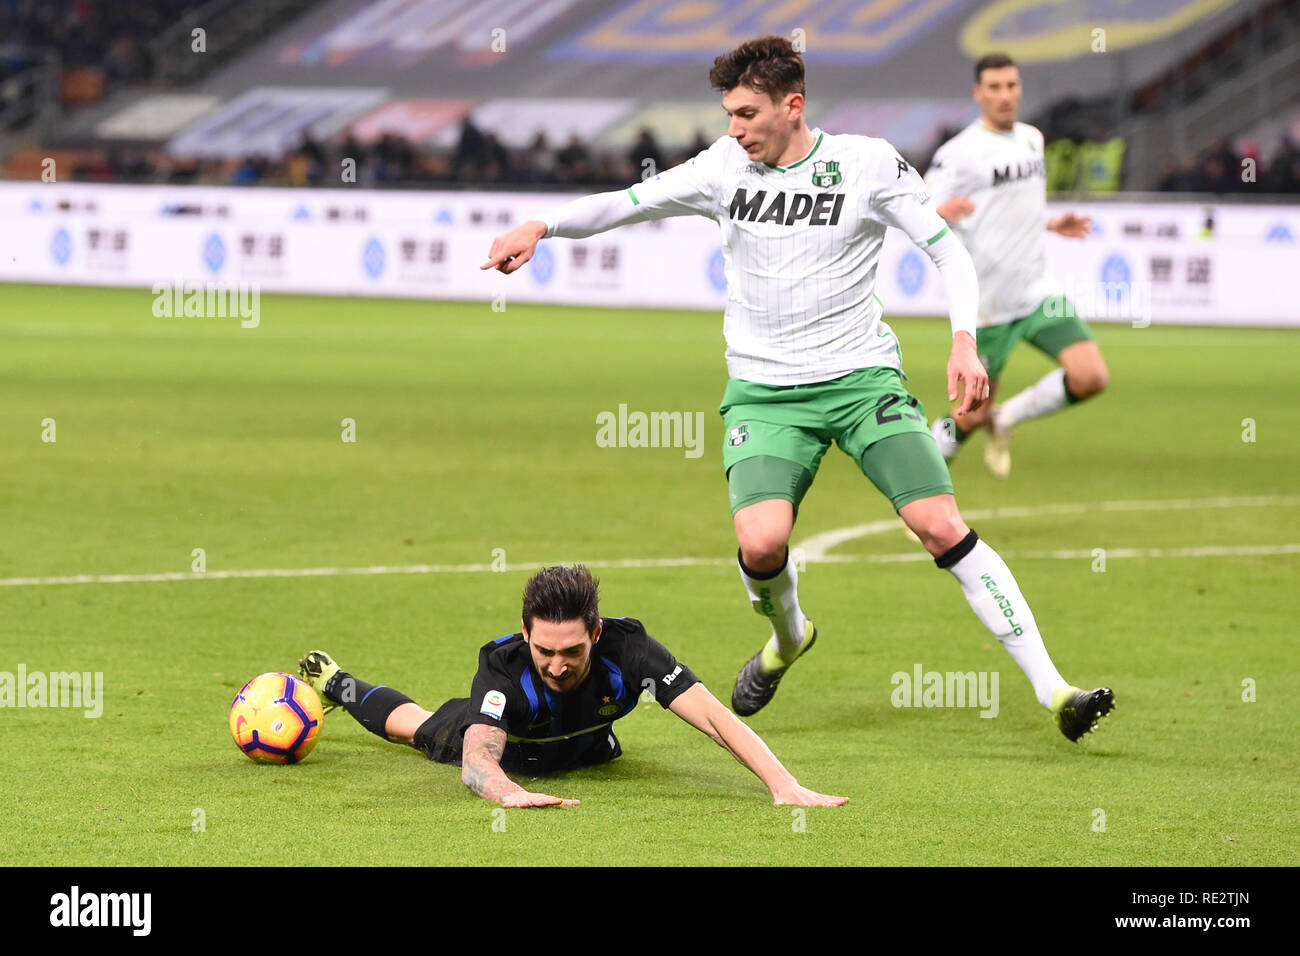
(889, 401)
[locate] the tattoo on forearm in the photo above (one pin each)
(481, 765)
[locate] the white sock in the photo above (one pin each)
(1044, 396)
(777, 599)
(994, 596)
(943, 433)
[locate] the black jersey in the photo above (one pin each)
(547, 730)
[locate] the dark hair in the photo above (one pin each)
(993, 61)
(766, 64)
(561, 594)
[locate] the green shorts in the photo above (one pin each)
(1050, 328)
(774, 437)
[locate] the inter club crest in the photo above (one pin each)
(826, 173)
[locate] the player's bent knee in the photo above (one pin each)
(937, 522)
(1087, 382)
(762, 549)
(763, 531)
(942, 536)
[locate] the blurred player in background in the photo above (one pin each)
(544, 699)
(990, 182)
(811, 360)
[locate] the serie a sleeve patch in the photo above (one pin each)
(494, 704)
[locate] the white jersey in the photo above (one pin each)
(800, 245)
(1005, 176)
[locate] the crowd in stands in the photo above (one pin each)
(107, 41)
(111, 36)
(1218, 168)
(479, 158)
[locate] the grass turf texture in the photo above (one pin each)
(475, 430)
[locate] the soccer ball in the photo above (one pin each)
(276, 718)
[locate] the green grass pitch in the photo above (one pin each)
(476, 431)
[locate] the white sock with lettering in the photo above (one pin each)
(994, 596)
(777, 599)
(944, 433)
(1043, 397)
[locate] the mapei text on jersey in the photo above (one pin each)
(821, 210)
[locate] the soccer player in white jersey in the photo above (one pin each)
(990, 182)
(803, 215)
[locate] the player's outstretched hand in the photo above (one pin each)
(964, 366)
(796, 795)
(522, 798)
(1071, 226)
(512, 249)
(955, 209)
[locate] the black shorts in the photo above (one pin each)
(442, 738)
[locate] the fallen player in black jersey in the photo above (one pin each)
(544, 699)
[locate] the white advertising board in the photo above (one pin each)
(1218, 265)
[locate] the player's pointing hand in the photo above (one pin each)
(797, 795)
(512, 249)
(522, 798)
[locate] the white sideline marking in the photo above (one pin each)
(339, 572)
(815, 549)
(1205, 551)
